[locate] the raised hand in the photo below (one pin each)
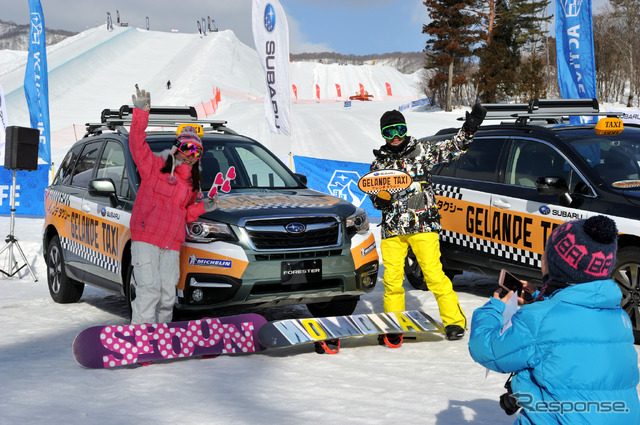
(474, 119)
(142, 99)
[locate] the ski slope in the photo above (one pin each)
(98, 69)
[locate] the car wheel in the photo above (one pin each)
(130, 290)
(627, 275)
(333, 308)
(414, 275)
(63, 290)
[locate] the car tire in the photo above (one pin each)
(333, 308)
(62, 289)
(627, 275)
(413, 272)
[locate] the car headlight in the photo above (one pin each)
(209, 231)
(358, 222)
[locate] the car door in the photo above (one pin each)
(76, 236)
(521, 218)
(464, 190)
(109, 219)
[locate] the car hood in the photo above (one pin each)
(262, 203)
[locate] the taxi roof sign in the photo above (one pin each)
(609, 126)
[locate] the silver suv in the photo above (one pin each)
(271, 242)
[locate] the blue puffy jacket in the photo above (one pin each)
(573, 348)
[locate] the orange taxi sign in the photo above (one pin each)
(609, 127)
(384, 180)
(197, 127)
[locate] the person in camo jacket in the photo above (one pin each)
(410, 217)
(165, 202)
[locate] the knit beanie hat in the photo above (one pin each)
(188, 134)
(391, 117)
(582, 250)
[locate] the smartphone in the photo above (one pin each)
(510, 282)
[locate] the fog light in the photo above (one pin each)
(197, 295)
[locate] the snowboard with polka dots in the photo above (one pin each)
(121, 345)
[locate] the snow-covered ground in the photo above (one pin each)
(428, 381)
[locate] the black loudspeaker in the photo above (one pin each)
(21, 148)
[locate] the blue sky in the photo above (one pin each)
(357, 27)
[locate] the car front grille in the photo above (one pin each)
(272, 234)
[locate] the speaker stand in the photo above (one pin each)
(12, 241)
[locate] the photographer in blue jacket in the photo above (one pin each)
(570, 352)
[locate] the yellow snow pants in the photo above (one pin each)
(426, 247)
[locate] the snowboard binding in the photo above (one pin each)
(330, 346)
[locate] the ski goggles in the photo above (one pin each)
(393, 130)
(190, 148)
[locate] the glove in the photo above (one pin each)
(142, 99)
(382, 200)
(474, 119)
(210, 204)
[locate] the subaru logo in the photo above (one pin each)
(295, 227)
(544, 210)
(269, 18)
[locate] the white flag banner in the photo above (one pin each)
(627, 115)
(271, 36)
(3, 124)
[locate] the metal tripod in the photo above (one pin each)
(12, 241)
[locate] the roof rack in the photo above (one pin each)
(552, 111)
(159, 116)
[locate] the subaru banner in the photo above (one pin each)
(271, 36)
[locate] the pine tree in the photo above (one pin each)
(499, 62)
(515, 31)
(452, 35)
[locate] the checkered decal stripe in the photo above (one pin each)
(507, 252)
(447, 191)
(375, 192)
(90, 255)
(274, 205)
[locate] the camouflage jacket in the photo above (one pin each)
(414, 210)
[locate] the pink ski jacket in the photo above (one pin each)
(161, 209)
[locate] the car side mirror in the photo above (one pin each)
(302, 178)
(554, 185)
(104, 187)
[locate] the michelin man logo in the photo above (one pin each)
(571, 7)
(209, 262)
(344, 185)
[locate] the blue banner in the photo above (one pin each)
(337, 178)
(36, 84)
(575, 56)
(30, 187)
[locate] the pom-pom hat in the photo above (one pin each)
(582, 250)
(188, 134)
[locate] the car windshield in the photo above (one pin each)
(616, 159)
(236, 164)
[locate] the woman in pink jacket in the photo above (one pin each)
(166, 201)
